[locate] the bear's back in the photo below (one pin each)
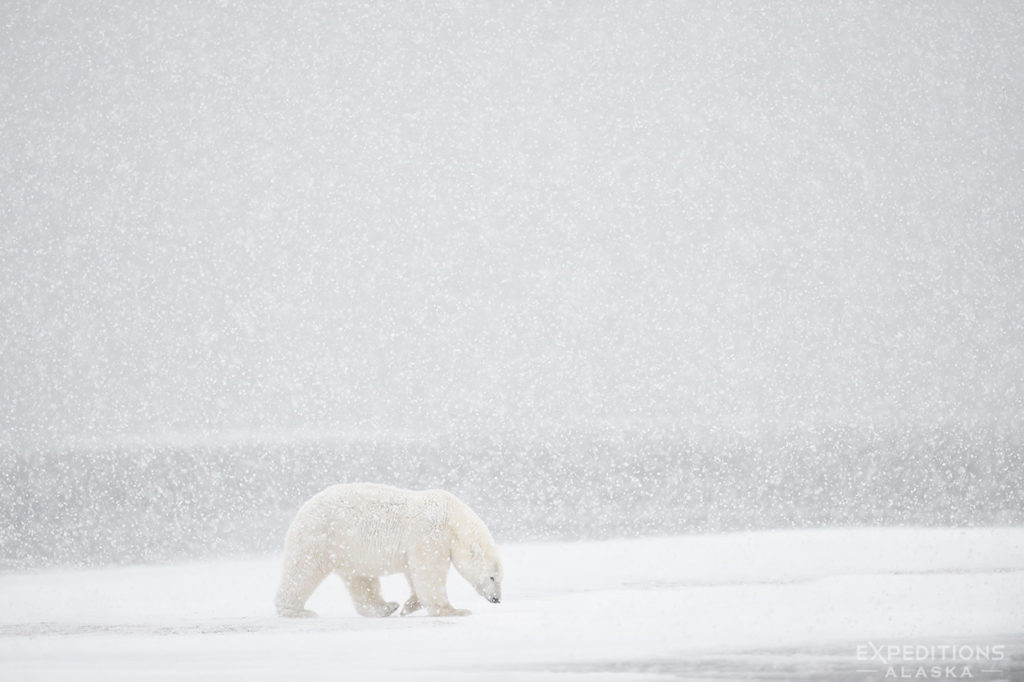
(369, 526)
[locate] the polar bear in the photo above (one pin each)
(362, 531)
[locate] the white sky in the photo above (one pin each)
(332, 216)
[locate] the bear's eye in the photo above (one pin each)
(492, 578)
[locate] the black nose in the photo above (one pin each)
(495, 600)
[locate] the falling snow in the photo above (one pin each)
(603, 270)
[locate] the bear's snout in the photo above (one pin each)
(494, 600)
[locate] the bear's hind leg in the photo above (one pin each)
(365, 591)
(298, 581)
(412, 604)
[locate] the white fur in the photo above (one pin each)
(362, 531)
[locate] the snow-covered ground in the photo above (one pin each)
(816, 604)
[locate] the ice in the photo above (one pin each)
(740, 606)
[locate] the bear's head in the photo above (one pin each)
(473, 551)
(479, 563)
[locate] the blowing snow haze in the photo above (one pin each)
(420, 218)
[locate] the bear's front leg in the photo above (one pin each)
(429, 590)
(365, 591)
